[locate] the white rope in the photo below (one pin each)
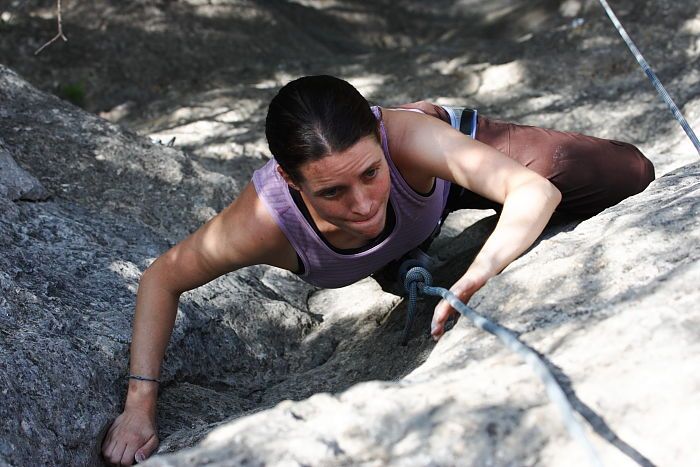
(652, 76)
(418, 281)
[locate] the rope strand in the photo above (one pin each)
(418, 280)
(652, 76)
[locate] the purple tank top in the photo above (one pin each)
(416, 217)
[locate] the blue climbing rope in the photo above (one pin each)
(418, 281)
(652, 76)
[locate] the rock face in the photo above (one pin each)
(69, 271)
(16, 183)
(611, 304)
(265, 370)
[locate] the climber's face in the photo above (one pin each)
(347, 192)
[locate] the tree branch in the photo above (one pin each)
(60, 34)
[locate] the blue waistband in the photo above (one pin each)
(463, 119)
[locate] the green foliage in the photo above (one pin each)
(73, 93)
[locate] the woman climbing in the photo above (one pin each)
(352, 188)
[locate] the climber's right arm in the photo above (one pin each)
(243, 234)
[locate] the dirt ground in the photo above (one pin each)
(204, 71)
(135, 51)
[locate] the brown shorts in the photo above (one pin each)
(591, 173)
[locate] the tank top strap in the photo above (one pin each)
(400, 184)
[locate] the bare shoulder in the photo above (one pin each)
(241, 235)
(395, 124)
(429, 147)
(245, 233)
(402, 127)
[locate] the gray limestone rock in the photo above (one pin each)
(15, 182)
(69, 269)
(82, 158)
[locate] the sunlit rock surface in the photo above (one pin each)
(610, 302)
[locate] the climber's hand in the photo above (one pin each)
(131, 438)
(464, 288)
(428, 108)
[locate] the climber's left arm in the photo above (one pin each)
(430, 146)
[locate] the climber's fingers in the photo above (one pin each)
(464, 288)
(131, 438)
(147, 450)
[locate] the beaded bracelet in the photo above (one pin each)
(143, 378)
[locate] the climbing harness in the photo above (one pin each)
(463, 119)
(652, 76)
(418, 281)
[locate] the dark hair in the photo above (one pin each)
(313, 116)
